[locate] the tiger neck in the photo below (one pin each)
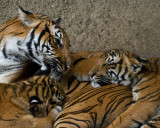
(9, 48)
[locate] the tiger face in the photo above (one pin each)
(40, 106)
(36, 96)
(117, 67)
(37, 38)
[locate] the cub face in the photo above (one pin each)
(117, 67)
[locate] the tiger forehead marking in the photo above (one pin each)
(37, 38)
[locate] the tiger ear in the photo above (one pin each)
(20, 103)
(58, 20)
(27, 17)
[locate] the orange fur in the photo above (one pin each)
(33, 103)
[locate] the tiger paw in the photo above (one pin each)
(81, 76)
(145, 126)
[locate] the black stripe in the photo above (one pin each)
(150, 95)
(123, 76)
(29, 90)
(137, 122)
(67, 122)
(22, 88)
(36, 90)
(56, 27)
(84, 110)
(26, 12)
(38, 43)
(113, 102)
(94, 118)
(8, 26)
(120, 101)
(4, 51)
(73, 88)
(47, 92)
(137, 90)
(152, 125)
(119, 71)
(1, 39)
(142, 60)
(120, 62)
(70, 81)
(80, 59)
(31, 39)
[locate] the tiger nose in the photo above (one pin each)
(66, 67)
(92, 75)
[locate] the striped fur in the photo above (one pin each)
(87, 107)
(33, 103)
(142, 76)
(35, 38)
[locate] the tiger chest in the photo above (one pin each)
(135, 95)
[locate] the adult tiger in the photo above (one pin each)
(33, 103)
(142, 75)
(85, 106)
(36, 38)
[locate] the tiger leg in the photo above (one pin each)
(136, 115)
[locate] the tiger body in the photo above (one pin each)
(142, 76)
(85, 106)
(35, 38)
(33, 103)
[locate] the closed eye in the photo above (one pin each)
(57, 41)
(35, 100)
(53, 102)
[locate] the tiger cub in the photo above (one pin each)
(36, 38)
(85, 106)
(142, 76)
(34, 103)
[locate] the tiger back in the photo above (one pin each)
(36, 38)
(33, 103)
(87, 107)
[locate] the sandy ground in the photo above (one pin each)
(98, 25)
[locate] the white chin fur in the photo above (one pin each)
(95, 85)
(58, 109)
(43, 68)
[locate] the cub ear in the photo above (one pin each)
(20, 103)
(27, 17)
(141, 66)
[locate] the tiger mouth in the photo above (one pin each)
(55, 68)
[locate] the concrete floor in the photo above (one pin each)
(98, 25)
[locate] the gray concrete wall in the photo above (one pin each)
(98, 25)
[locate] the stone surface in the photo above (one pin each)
(98, 25)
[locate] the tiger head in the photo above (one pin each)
(45, 42)
(118, 67)
(38, 96)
